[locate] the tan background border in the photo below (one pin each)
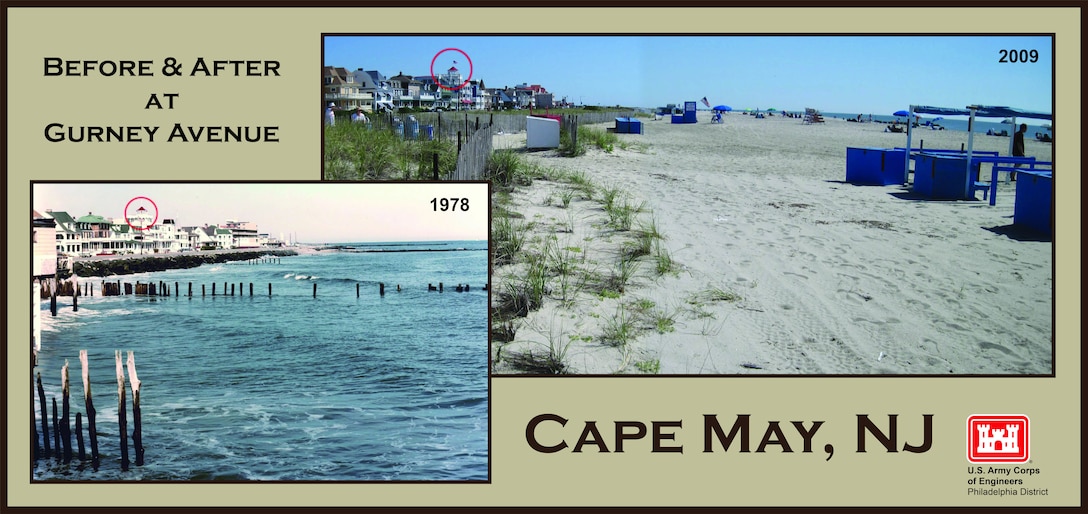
(521, 476)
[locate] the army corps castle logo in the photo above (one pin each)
(1001, 438)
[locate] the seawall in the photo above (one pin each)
(162, 262)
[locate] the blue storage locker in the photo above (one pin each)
(876, 166)
(943, 177)
(1034, 206)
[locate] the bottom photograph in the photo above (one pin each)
(235, 332)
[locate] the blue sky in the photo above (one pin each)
(317, 212)
(864, 74)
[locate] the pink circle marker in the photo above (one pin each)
(155, 219)
(463, 84)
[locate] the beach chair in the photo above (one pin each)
(717, 117)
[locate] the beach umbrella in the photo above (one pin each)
(772, 109)
(900, 113)
(723, 108)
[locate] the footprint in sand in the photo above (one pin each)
(992, 346)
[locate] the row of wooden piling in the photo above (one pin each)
(163, 289)
(61, 448)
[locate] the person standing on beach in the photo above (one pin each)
(358, 116)
(330, 115)
(1018, 147)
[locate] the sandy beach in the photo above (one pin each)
(768, 262)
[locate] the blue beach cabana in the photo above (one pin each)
(971, 161)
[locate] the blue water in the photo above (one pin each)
(956, 123)
(289, 387)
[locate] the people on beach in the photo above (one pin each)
(1018, 147)
(358, 116)
(330, 114)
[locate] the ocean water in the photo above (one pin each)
(957, 123)
(288, 387)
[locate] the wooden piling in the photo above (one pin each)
(82, 453)
(75, 303)
(439, 287)
(65, 420)
(213, 288)
(381, 288)
(231, 289)
(356, 289)
(176, 289)
(56, 431)
(315, 289)
(251, 289)
(434, 165)
(122, 420)
(202, 290)
(53, 304)
(190, 289)
(128, 288)
(269, 289)
(137, 429)
(45, 416)
(92, 431)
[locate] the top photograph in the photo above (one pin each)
(771, 205)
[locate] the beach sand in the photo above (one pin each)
(781, 267)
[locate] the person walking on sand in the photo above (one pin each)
(1018, 147)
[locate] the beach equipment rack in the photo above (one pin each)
(973, 111)
(628, 126)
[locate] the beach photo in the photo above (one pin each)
(727, 205)
(260, 331)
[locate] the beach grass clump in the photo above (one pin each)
(581, 184)
(509, 168)
(600, 138)
(619, 330)
(509, 238)
(663, 261)
(565, 197)
(620, 217)
(652, 366)
(714, 294)
(623, 273)
(663, 321)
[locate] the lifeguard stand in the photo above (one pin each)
(688, 116)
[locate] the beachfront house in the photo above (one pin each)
(43, 236)
(499, 99)
(340, 89)
(95, 234)
(224, 240)
(403, 88)
(377, 86)
(243, 234)
(67, 235)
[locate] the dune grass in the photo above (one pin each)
(354, 151)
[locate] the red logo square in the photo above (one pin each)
(997, 438)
